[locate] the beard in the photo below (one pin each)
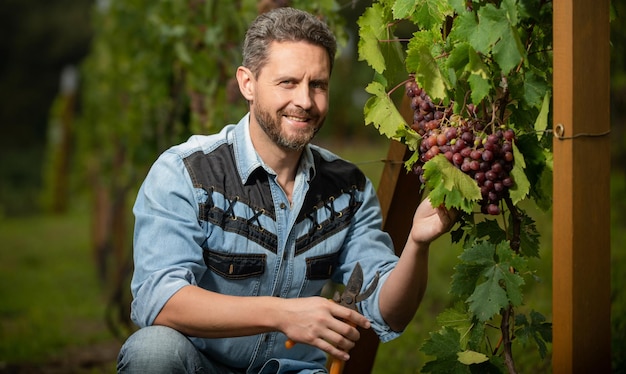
(271, 126)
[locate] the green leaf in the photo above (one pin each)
(459, 6)
(542, 191)
(521, 187)
(373, 29)
(497, 34)
(512, 280)
(450, 186)
(500, 286)
(534, 89)
(491, 229)
(430, 14)
(529, 235)
(541, 124)
(381, 111)
(468, 357)
(458, 319)
(509, 51)
(466, 25)
(465, 278)
(488, 297)
(403, 8)
(537, 330)
(479, 253)
(459, 60)
(410, 138)
(444, 345)
(420, 60)
(480, 87)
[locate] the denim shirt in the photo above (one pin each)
(210, 213)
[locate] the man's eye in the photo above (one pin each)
(319, 85)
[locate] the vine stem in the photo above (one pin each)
(410, 78)
(507, 315)
(517, 225)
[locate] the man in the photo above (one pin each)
(237, 233)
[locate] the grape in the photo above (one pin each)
(457, 159)
(493, 209)
(473, 145)
(487, 155)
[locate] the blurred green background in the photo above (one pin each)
(62, 274)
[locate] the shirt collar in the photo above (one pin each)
(248, 160)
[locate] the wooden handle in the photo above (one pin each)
(289, 344)
(336, 366)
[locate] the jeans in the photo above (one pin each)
(161, 349)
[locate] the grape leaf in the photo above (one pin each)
(465, 278)
(496, 31)
(534, 89)
(542, 191)
(469, 357)
(430, 14)
(500, 287)
(444, 345)
(466, 25)
(381, 111)
(491, 229)
(450, 186)
(537, 329)
(480, 87)
(488, 297)
(459, 6)
(420, 60)
(541, 124)
(410, 138)
(529, 236)
(481, 253)
(403, 8)
(509, 51)
(373, 28)
(458, 319)
(512, 280)
(458, 60)
(510, 7)
(520, 189)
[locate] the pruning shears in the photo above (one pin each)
(349, 298)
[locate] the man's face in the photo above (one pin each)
(290, 98)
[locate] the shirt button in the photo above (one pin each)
(283, 205)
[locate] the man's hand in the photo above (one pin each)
(322, 323)
(429, 223)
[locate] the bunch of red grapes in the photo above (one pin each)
(484, 152)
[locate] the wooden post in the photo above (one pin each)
(399, 196)
(581, 228)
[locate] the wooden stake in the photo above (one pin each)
(581, 227)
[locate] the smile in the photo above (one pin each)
(297, 119)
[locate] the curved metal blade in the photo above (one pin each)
(353, 287)
(370, 289)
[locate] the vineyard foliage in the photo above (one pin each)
(485, 66)
(157, 72)
(161, 70)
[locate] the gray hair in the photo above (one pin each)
(281, 25)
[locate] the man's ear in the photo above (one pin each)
(246, 81)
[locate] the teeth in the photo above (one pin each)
(299, 119)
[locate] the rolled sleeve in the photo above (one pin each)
(372, 248)
(167, 239)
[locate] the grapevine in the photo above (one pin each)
(482, 151)
(477, 80)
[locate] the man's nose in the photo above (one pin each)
(303, 97)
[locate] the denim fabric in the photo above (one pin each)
(210, 213)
